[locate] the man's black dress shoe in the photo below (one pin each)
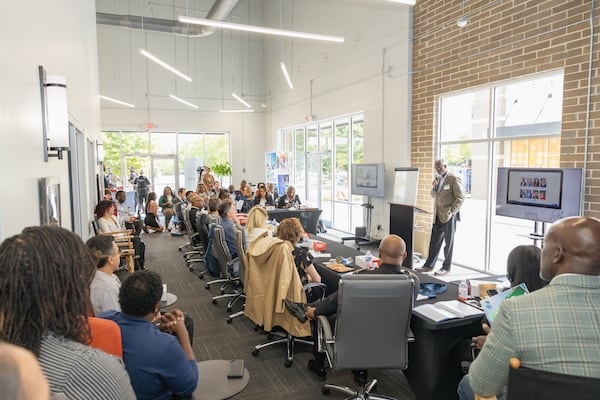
(317, 370)
(298, 309)
(442, 272)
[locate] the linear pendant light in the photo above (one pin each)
(238, 98)
(407, 2)
(187, 103)
(164, 64)
(260, 29)
(242, 110)
(116, 101)
(286, 75)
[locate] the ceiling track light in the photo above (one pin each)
(163, 64)
(116, 101)
(187, 103)
(260, 29)
(286, 75)
(238, 98)
(242, 110)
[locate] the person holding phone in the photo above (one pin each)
(448, 194)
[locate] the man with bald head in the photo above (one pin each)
(392, 252)
(21, 376)
(555, 328)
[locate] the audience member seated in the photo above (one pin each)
(522, 266)
(21, 377)
(290, 199)
(243, 185)
(272, 191)
(256, 224)
(152, 219)
(107, 223)
(180, 196)
(290, 229)
(107, 195)
(104, 290)
(126, 217)
(223, 195)
(228, 219)
(45, 275)
(262, 198)
(160, 365)
(392, 252)
(197, 203)
(216, 188)
(202, 190)
(213, 211)
(553, 329)
(165, 202)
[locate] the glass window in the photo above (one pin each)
(323, 155)
(465, 116)
(524, 132)
(163, 143)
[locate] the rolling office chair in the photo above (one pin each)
(357, 345)
(226, 264)
(193, 256)
(240, 242)
(531, 384)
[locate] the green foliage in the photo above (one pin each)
(222, 170)
(131, 143)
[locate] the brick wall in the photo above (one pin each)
(506, 40)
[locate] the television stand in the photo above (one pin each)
(366, 239)
(539, 231)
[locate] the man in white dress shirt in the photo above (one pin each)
(104, 290)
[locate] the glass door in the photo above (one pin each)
(164, 173)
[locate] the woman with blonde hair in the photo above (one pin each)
(256, 224)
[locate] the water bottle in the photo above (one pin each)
(463, 290)
(369, 259)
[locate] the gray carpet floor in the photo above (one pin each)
(214, 338)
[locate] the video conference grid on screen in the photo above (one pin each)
(535, 188)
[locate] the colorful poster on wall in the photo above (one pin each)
(283, 181)
(283, 162)
(271, 167)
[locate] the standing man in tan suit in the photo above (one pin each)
(447, 190)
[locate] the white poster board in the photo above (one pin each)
(406, 181)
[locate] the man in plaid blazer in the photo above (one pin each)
(555, 328)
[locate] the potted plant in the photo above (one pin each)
(221, 170)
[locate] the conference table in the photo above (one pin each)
(433, 369)
(309, 217)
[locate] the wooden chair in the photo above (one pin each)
(124, 241)
(530, 384)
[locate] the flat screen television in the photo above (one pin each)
(539, 194)
(368, 180)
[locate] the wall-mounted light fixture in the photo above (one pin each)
(55, 117)
(100, 151)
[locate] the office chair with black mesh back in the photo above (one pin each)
(372, 328)
(226, 266)
(191, 257)
(531, 384)
(240, 243)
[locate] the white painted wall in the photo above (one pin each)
(369, 72)
(61, 36)
(219, 64)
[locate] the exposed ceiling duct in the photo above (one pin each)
(219, 11)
